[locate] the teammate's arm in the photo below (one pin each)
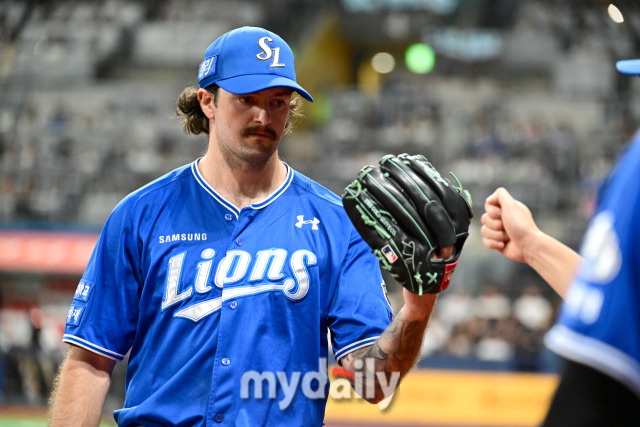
(509, 228)
(80, 389)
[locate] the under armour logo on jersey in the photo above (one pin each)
(267, 53)
(314, 222)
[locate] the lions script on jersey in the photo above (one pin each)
(202, 293)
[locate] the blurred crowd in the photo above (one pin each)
(492, 327)
(87, 116)
(30, 353)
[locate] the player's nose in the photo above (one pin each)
(262, 115)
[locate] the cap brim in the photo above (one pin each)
(242, 85)
(629, 66)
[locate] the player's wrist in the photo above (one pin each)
(417, 307)
(532, 245)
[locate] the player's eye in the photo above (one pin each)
(279, 103)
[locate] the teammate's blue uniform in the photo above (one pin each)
(203, 293)
(599, 324)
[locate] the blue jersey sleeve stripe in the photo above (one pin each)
(354, 346)
(92, 347)
(596, 354)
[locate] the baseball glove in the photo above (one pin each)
(406, 211)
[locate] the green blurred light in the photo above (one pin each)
(420, 58)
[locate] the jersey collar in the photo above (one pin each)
(230, 206)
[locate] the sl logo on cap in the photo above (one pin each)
(267, 53)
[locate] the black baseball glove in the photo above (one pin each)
(406, 211)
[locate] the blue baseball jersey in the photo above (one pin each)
(227, 313)
(599, 324)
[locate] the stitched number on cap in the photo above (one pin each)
(267, 53)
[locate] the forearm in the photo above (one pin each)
(555, 262)
(79, 393)
(381, 366)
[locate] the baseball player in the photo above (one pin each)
(598, 330)
(221, 278)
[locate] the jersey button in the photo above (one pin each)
(239, 242)
(233, 305)
(228, 217)
(226, 361)
(219, 418)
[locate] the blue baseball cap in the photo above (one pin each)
(247, 60)
(629, 66)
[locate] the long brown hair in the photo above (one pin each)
(195, 122)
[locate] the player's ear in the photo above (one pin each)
(205, 99)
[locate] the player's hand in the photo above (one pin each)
(507, 225)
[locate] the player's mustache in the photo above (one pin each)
(260, 129)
